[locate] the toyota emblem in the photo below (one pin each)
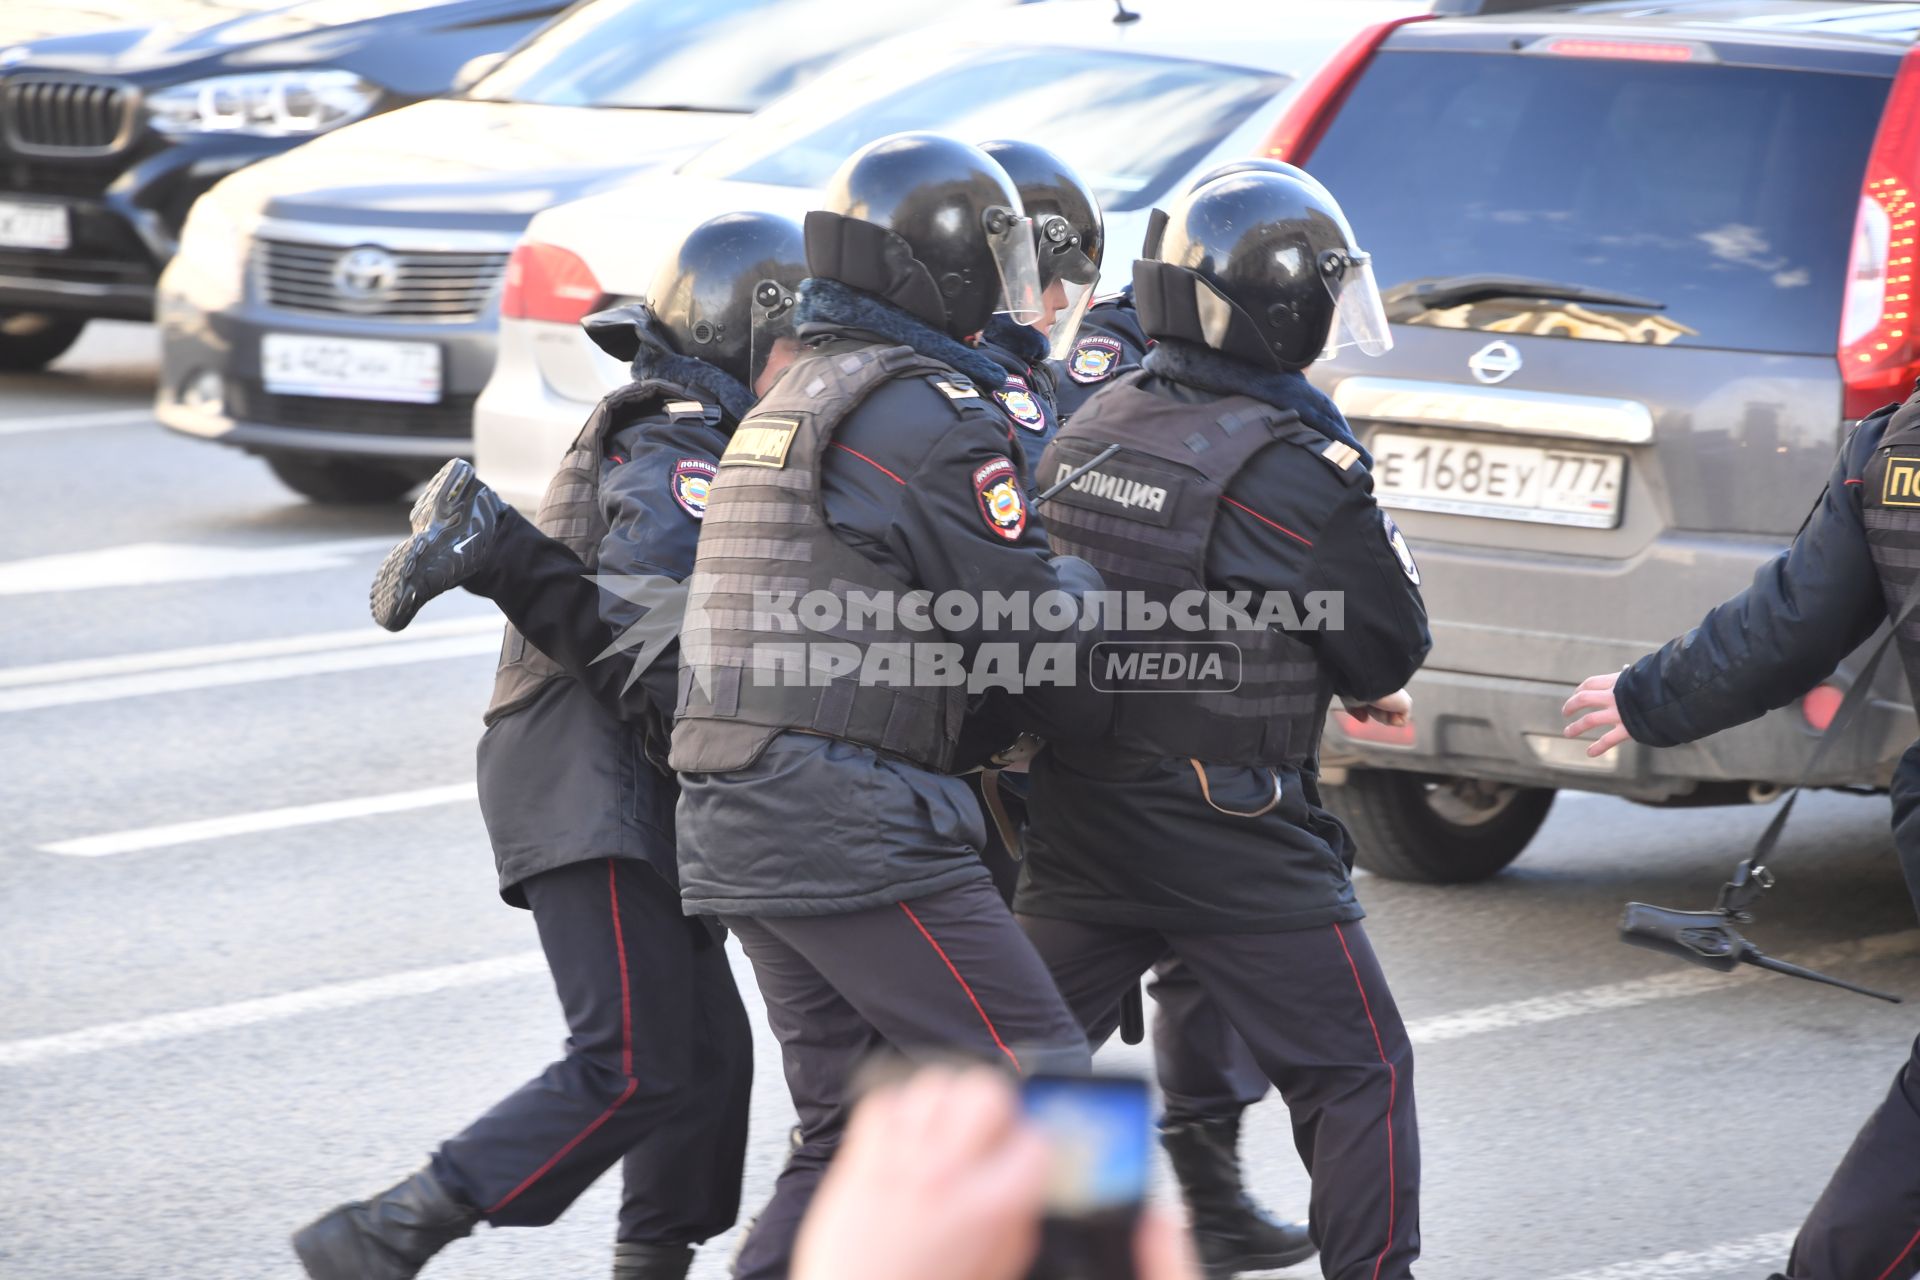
(365, 274)
(1495, 362)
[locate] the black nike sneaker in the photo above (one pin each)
(454, 523)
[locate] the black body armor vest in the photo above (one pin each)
(1144, 519)
(765, 537)
(1890, 508)
(570, 513)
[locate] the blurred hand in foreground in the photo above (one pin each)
(939, 1178)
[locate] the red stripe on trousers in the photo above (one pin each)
(1902, 1258)
(620, 951)
(941, 952)
(626, 1054)
(1393, 1091)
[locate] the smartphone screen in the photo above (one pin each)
(1099, 1129)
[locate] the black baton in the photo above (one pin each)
(1133, 1017)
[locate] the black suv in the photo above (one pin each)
(107, 138)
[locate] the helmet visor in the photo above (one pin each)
(1065, 326)
(1010, 237)
(1359, 317)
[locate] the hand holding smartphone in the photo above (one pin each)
(1098, 1131)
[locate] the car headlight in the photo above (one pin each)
(274, 104)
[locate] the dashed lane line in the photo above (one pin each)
(246, 1013)
(75, 421)
(1455, 1026)
(59, 684)
(239, 824)
(1666, 986)
(144, 564)
(1734, 1258)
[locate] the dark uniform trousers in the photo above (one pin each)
(1313, 1007)
(657, 1073)
(945, 974)
(1205, 1070)
(1869, 1215)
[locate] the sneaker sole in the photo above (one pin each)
(394, 601)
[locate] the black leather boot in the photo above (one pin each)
(1231, 1232)
(389, 1237)
(651, 1261)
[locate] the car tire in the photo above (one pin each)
(31, 340)
(341, 481)
(1436, 830)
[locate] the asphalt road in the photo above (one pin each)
(209, 1034)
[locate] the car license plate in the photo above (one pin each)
(34, 226)
(351, 368)
(1501, 481)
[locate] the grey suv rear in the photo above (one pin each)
(1643, 274)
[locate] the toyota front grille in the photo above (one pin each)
(371, 281)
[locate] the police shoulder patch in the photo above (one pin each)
(1017, 398)
(1397, 543)
(1094, 358)
(690, 483)
(996, 487)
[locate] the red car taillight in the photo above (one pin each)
(1879, 359)
(1314, 107)
(546, 282)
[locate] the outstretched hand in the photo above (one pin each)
(1396, 709)
(1595, 696)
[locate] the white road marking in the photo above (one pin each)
(239, 824)
(1678, 984)
(59, 684)
(221, 1017)
(142, 564)
(1735, 1257)
(123, 664)
(75, 421)
(246, 1013)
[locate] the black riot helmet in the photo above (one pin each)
(1253, 164)
(726, 295)
(1068, 232)
(1157, 223)
(1263, 267)
(931, 225)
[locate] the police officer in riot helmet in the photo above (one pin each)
(1217, 476)
(1069, 237)
(819, 818)
(1207, 1075)
(577, 801)
(1110, 341)
(1854, 564)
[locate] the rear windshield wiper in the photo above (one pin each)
(1404, 301)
